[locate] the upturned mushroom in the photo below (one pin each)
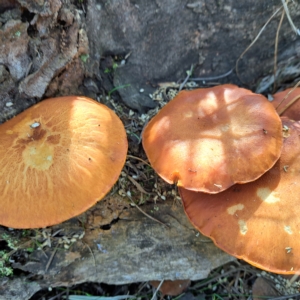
(209, 139)
(57, 159)
(258, 221)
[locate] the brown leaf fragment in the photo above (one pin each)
(172, 288)
(263, 288)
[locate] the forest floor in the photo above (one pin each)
(235, 280)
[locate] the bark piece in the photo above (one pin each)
(13, 50)
(131, 248)
(17, 289)
(166, 37)
(37, 46)
(57, 51)
(42, 7)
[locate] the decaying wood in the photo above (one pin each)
(120, 245)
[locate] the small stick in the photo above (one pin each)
(153, 297)
(150, 217)
(253, 42)
(51, 259)
(137, 185)
(276, 48)
(212, 77)
(286, 96)
(91, 251)
(137, 158)
(280, 112)
(189, 73)
(292, 280)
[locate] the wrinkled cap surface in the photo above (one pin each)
(257, 221)
(209, 139)
(57, 159)
(290, 107)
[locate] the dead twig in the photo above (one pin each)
(284, 3)
(292, 280)
(51, 259)
(212, 77)
(189, 73)
(154, 295)
(280, 112)
(137, 158)
(276, 49)
(91, 251)
(144, 213)
(253, 42)
(137, 185)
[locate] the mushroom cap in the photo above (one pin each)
(257, 221)
(293, 111)
(57, 159)
(209, 139)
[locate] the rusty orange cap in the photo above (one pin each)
(209, 139)
(57, 159)
(257, 221)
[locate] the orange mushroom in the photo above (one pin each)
(209, 139)
(258, 221)
(287, 103)
(57, 159)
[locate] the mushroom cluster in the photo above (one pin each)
(236, 163)
(57, 159)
